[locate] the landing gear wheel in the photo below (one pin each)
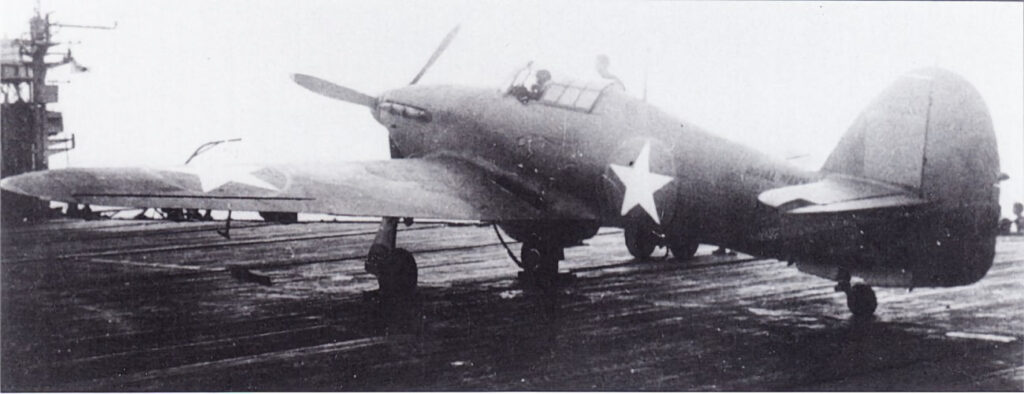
(683, 249)
(861, 300)
(641, 243)
(399, 275)
(534, 257)
(540, 263)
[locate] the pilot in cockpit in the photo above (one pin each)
(537, 90)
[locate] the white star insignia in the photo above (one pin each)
(211, 178)
(641, 183)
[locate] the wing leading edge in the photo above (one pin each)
(434, 188)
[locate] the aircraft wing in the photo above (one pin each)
(434, 188)
(838, 193)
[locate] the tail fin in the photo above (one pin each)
(931, 133)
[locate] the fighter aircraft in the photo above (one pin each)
(908, 198)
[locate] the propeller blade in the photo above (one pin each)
(437, 53)
(334, 91)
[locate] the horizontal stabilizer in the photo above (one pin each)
(838, 194)
(862, 205)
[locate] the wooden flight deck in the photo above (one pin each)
(119, 305)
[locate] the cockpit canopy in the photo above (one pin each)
(560, 91)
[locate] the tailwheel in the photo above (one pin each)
(640, 241)
(399, 275)
(861, 300)
(683, 249)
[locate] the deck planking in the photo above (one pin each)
(117, 305)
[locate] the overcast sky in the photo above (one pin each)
(786, 78)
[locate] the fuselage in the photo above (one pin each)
(715, 182)
(542, 149)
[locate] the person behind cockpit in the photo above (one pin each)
(602, 65)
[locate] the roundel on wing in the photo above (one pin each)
(232, 179)
(638, 182)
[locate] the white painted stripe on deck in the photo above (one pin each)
(984, 337)
(155, 265)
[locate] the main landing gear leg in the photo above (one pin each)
(395, 268)
(860, 298)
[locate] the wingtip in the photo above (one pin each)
(9, 184)
(33, 184)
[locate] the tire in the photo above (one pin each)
(541, 264)
(531, 257)
(538, 258)
(861, 300)
(400, 275)
(640, 243)
(683, 250)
